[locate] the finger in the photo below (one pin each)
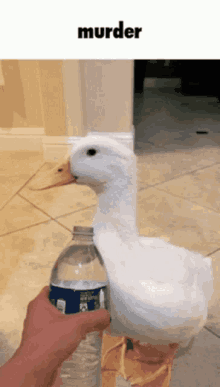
(101, 335)
(44, 296)
(44, 291)
(93, 321)
(57, 381)
(42, 301)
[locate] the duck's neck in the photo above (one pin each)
(117, 205)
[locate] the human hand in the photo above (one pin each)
(51, 336)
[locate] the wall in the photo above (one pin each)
(107, 92)
(67, 98)
(32, 96)
(20, 103)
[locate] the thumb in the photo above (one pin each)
(93, 321)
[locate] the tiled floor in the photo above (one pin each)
(178, 200)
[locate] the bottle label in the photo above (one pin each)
(70, 301)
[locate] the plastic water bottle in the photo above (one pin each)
(79, 284)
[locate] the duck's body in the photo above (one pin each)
(159, 293)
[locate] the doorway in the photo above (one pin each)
(198, 77)
(176, 104)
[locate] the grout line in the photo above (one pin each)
(183, 198)
(33, 225)
(193, 201)
(51, 217)
(74, 212)
(22, 186)
(39, 209)
(213, 333)
(23, 228)
(60, 224)
(177, 177)
(213, 252)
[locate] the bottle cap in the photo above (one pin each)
(78, 230)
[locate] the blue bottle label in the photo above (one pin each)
(70, 301)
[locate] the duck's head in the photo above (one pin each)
(94, 161)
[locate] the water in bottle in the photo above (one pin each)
(79, 284)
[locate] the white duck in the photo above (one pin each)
(159, 293)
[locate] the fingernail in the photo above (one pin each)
(44, 289)
(129, 345)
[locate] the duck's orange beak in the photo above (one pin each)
(58, 175)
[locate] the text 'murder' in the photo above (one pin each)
(107, 32)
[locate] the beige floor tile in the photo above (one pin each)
(15, 170)
(167, 120)
(17, 214)
(59, 201)
(202, 187)
(180, 221)
(9, 186)
(20, 163)
(213, 322)
(27, 258)
(82, 218)
(199, 366)
(161, 166)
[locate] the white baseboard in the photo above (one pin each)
(56, 147)
(18, 139)
(53, 147)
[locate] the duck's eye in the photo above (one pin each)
(91, 152)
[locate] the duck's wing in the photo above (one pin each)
(187, 266)
(150, 285)
(145, 241)
(196, 258)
